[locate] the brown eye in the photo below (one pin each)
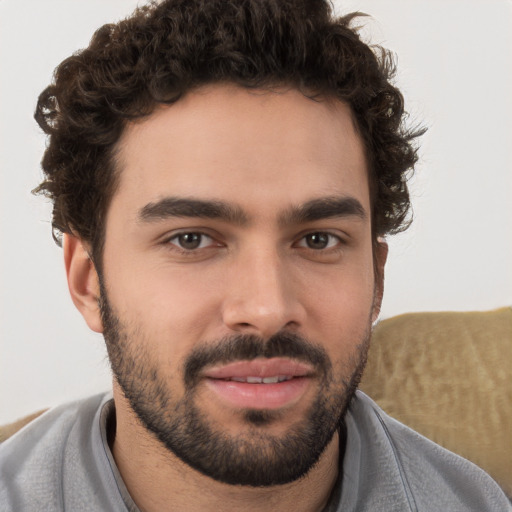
(318, 240)
(191, 241)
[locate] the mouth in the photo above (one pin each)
(260, 383)
(262, 380)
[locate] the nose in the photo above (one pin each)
(261, 296)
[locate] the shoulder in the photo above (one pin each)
(32, 462)
(431, 477)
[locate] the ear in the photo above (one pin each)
(83, 281)
(380, 255)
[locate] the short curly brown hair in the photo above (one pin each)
(167, 48)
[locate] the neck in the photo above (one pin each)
(157, 480)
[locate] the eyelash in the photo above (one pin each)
(188, 252)
(336, 247)
(330, 236)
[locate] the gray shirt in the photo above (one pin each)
(62, 461)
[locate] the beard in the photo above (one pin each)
(254, 457)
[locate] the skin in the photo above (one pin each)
(264, 153)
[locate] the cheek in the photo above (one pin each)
(171, 307)
(340, 305)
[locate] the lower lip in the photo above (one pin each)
(259, 396)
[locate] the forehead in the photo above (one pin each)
(256, 148)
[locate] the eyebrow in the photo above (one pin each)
(316, 209)
(184, 207)
(324, 208)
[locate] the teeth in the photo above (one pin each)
(260, 380)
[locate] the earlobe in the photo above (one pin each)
(83, 281)
(380, 255)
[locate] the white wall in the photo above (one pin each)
(455, 66)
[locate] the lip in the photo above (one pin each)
(260, 368)
(243, 395)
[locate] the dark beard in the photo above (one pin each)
(255, 458)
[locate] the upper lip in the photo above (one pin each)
(260, 367)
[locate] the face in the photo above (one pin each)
(238, 284)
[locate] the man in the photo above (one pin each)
(223, 175)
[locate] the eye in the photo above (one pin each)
(319, 241)
(191, 241)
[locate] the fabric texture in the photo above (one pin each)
(10, 429)
(448, 376)
(62, 462)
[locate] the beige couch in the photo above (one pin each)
(448, 376)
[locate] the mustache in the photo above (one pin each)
(246, 347)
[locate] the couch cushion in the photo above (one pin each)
(448, 375)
